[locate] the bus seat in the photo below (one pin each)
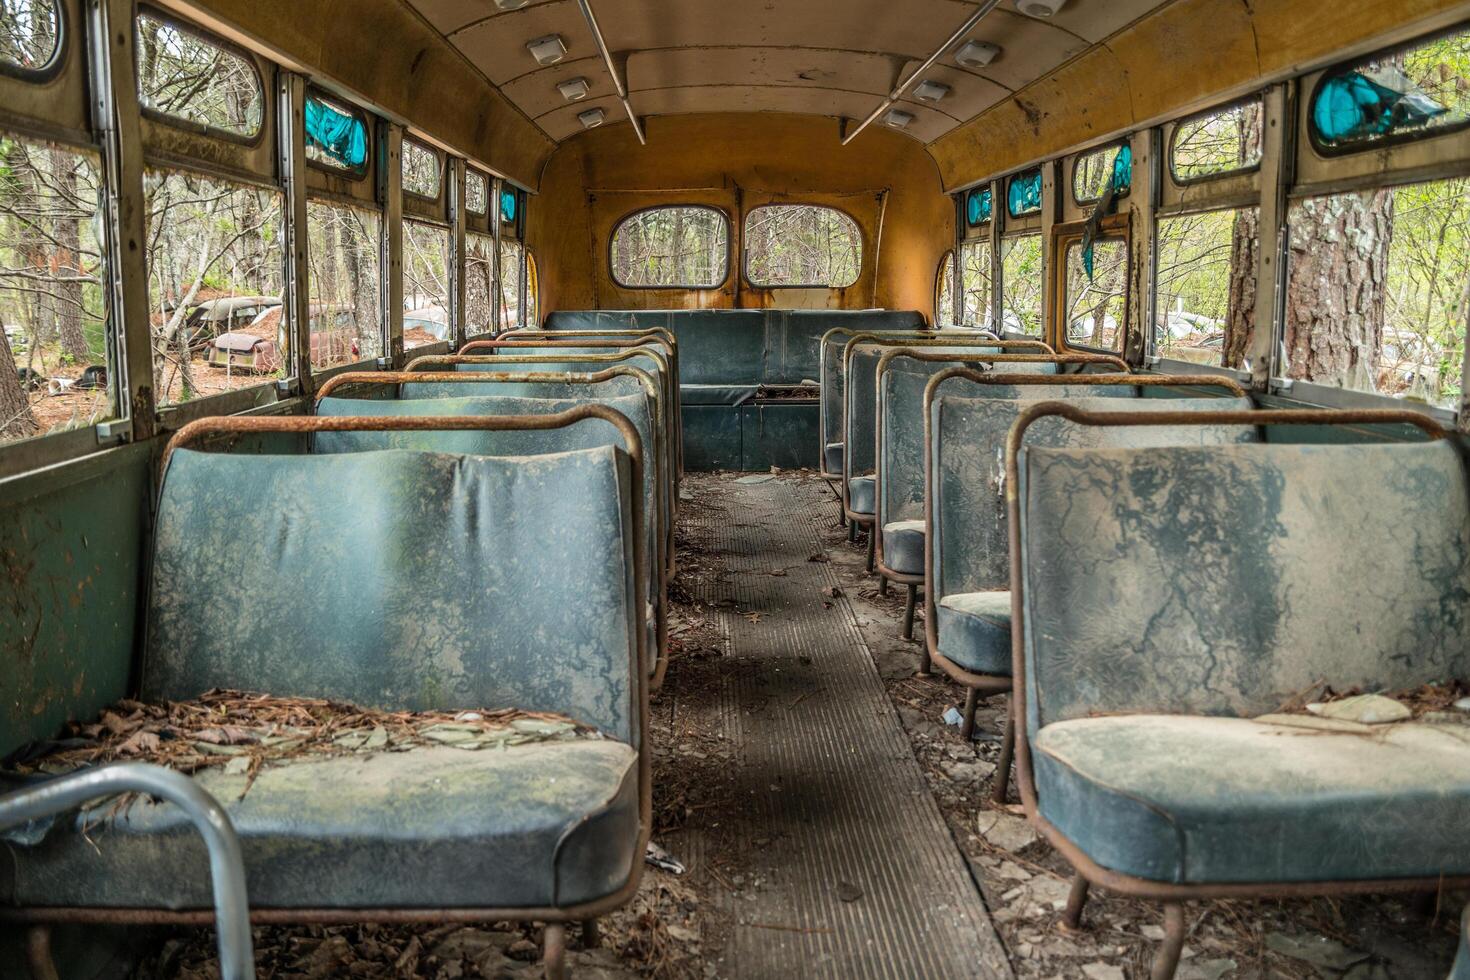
(540, 560)
(1173, 595)
(1461, 968)
(968, 561)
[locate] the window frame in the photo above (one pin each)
(618, 225)
(745, 247)
(1171, 141)
(1012, 215)
(1117, 228)
(229, 47)
(1077, 158)
(57, 62)
(439, 160)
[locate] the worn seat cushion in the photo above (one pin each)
(1208, 799)
(903, 547)
(540, 824)
(975, 630)
(860, 494)
(832, 457)
(732, 394)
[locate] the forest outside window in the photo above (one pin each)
(30, 36)
(975, 285)
(1217, 143)
(802, 245)
(685, 247)
(421, 170)
(188, 78)
(1205, 289)
(1022, 279)
(1096, 300)
(944, 311)
(214, 285)
(476, 192)
(343, 246)
(508, 304)
(1378, 294)
(425, 284)
(54, 364)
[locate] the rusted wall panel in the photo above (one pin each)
(71, 559)
(736, 162)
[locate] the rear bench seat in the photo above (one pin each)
(1173, 595)
(519, 442)
(967, 599)
(724, 358)
(348, 560)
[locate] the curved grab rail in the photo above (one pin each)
(226, 864)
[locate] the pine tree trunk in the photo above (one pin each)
(1337, 288)
(68, 264)
(16, 419)
(1240, 313)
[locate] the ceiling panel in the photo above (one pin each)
(828, 57)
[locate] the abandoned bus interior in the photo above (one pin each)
(734, 489)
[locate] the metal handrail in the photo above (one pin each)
(226, 864)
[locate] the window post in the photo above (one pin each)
(390, 193)
(458, 327)
(1271, 252)
(1051, 268)
(296, 315)
(997, 215)
(1143, 258)
(118, 123)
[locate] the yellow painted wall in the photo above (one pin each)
(736, 162)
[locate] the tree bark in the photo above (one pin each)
(68, 262)
(1337, 288)
(16, 418)
(1240, 312)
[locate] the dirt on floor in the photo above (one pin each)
(1025, 882)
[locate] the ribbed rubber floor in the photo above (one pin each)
(854, 872)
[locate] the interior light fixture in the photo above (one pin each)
(511, 4)
(977, 54)
(898, 119)
(573, 89)
(592, 118)
(927, 91)
(547, 50)
(1040, 8)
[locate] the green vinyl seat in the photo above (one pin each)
(392, 579)
(1174, 595)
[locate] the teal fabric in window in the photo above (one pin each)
(509, 206)
(1361, 106)
(978, 206)
(1118, 185)
(1123, 171)
(340, 135)
(1023, 195)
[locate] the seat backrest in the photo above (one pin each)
(400, 580)
(1227, 579)
(970, 538)
(609, 388)
(900, 410)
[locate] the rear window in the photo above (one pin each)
(188, 78)
(671, 247)
(802, 245)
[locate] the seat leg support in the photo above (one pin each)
(908, 612)
(967, 722)
(883, 585)
(1166, 961)
(38, 953)
(1002, 786)
(1076, 899)
(872, 545)
(554, 951)
(851, 530)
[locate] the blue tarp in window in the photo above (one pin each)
(341, 136)
(1023, 196)
(1122, 181)
(508, 207)
(1361, 105)
(978, 206)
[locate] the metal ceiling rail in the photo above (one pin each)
(612, 69)
(985, 7)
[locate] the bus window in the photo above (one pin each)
(508, 307)
(1205, 290)
(343, 245)
(975, 285)
(1376, 297)
(30, 35)
(184, 76)
(796, 245)
(1216, 143)
(944, 312)
(1092, 172)
(425, 284)
(479, 284)
(1096, 300)
(1022, 278)
(422, 172)
(683, 247)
